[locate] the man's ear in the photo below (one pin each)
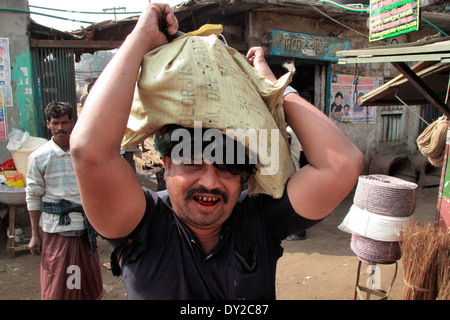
(167, 162)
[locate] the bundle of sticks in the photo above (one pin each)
(426, 262)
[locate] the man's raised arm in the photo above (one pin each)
(334, 162)
(110, 191)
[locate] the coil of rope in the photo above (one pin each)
(373, 251)
(382, 206)
(374, 226)
(386, 195)
(432, 140)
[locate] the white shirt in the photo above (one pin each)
(51, 178)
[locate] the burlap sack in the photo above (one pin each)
(198, 78)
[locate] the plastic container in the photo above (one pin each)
(14, 179)
(8, 165)
(12, 196)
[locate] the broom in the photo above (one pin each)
(425, 256)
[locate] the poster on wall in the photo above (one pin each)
(390, 18)
(345, 91)
(5, 72)
(2, 118)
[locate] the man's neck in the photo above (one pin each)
(64, 145)
(208, 237)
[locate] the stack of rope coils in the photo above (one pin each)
(382, 206)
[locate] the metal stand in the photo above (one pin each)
(359, 290)
(11, 246)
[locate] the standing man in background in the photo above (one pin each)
(70, 267)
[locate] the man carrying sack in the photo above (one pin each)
(203, 238)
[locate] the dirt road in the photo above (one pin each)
(320, 267)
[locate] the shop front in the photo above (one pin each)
(312, 55)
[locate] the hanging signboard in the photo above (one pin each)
(390, 18)
(306, 46)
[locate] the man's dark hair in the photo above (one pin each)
(165, 146)
(56, 109)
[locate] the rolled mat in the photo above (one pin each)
(372, 251)
(386, 195)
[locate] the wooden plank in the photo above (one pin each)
(443, 46)
(420, 85)
(397, 58)
(422, 69)
(388, 102)
(97, 44)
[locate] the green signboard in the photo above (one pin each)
(390, 18)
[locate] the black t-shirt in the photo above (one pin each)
(166, 261)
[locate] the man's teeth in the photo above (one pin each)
(206, 199)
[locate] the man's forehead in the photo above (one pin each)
(64, 117)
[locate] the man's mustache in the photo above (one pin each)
(60, 131)
(216, 192)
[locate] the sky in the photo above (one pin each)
(86, 6)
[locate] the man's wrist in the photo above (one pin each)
(288, 90)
